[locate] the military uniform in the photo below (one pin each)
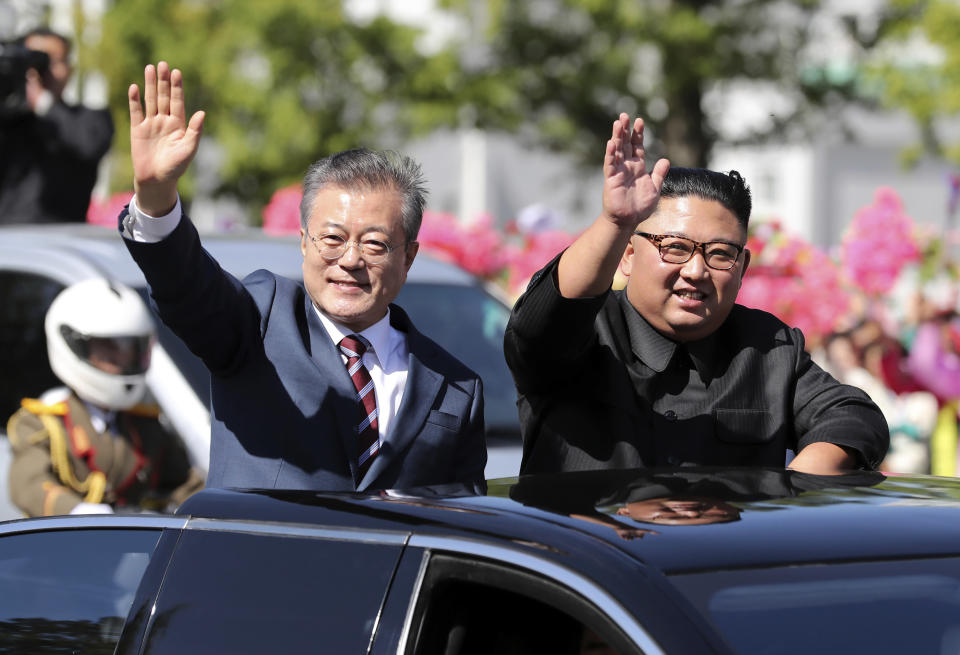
(60, 459)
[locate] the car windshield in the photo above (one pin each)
(896, 606)
(467, 321)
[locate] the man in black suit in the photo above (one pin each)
(320, 385)
(50, 149)
(670, 371)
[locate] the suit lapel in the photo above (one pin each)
(333, 374)
(421, 390)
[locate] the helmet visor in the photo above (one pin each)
(115, 355)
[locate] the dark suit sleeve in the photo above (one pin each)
(471, 457)
(548, 336)
(209, 309)
(826, 410)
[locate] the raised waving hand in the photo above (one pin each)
(162, 142)
(630, 193)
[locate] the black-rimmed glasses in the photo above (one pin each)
(718, 255)
(333, 246)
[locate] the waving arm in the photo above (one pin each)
(630, 194)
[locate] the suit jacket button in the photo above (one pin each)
(670, 415)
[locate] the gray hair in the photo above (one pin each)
(364, 169)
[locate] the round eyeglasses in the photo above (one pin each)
(718, 255)
(333, 246)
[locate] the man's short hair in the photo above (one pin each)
(729, 189)
(360, 169)
(46, 31)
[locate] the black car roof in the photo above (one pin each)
(782, 517)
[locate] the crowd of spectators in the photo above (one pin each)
(879, 312)
(911, 368)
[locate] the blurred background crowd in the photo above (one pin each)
(841, 115)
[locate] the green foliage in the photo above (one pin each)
(568, 67)
(287, 81)
(917, 68)
(283, 82)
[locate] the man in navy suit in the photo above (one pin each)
(320, 385)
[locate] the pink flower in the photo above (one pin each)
(794, 281)
(282, 213)
(440, 235)
(107, 212)
(537, 250)
(477, 247)
(482, 251)
(878, 243)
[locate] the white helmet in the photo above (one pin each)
(99, 336)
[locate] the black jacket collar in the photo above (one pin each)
(656, 350)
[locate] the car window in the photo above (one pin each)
(190, 366)
(69, 591)
(24, 300)
(472, 607)
(469, 323)
(228, 592)
(897, 606)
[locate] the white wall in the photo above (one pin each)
(818, 188)
(781, 180)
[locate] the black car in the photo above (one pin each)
(657, 561)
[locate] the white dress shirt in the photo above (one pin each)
(385, 359)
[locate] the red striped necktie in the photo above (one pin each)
(353, 347)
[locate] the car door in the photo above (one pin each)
(67, 584)
(461, 597)
(253, 587)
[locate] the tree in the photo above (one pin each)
(567, 67)
(283, 82)
(916, 65)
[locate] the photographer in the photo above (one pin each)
(50, 149)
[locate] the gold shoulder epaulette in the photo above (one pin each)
(37, 406)
(145, 411)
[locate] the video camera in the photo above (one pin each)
(15, 61)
